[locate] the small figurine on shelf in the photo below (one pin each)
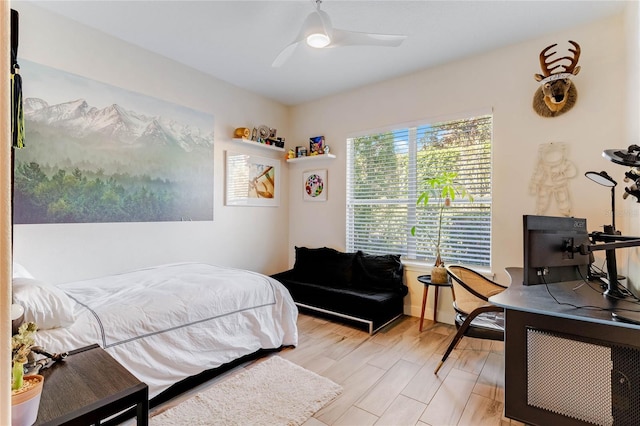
(327, 149)
(316, 144)
(301, 151)
(242, 133)
(291, 154)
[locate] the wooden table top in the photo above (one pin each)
(87, 381)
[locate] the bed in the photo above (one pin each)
(165, 323)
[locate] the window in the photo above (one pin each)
(385, 175)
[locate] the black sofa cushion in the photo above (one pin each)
(325, 266)
(380, 272)
(372, 305)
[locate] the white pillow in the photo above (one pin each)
(20, 271)
(43, 303)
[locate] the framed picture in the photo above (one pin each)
(252, 180)
(141, 168)
(316, 144)
(314, 185)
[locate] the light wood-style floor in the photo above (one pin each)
(388, 378)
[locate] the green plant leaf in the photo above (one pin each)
(441, 188)
(423, 198)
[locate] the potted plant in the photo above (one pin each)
(442, 190)
(25, 390)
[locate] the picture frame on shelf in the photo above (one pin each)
(301, 151)
(314, 185)
(316, 144)
(251, 180)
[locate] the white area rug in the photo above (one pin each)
(274, 392)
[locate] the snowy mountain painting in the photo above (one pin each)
(98, 153)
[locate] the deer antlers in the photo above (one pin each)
(549, 66)
(574, 61)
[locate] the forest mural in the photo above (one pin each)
(98, 153)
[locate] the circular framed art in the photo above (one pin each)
(314, 184)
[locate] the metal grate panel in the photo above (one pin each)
(568, 376)
(625, 382)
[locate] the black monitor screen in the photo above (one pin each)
(548, 253)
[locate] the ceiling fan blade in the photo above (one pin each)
(285, 54)
(313, 20)
(353, 38)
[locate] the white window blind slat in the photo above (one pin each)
(385, 175)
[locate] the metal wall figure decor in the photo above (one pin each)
(550, 180)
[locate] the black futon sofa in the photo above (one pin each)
(356, 286)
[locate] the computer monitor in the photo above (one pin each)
(550, 253)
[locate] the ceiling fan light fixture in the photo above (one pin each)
(318, 40)
(318, 32)
(317, 29)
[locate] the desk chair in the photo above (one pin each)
(475, 315)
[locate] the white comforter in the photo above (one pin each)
(174, 321)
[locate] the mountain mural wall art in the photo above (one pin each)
(99, 153)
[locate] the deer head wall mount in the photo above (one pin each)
(557, 94)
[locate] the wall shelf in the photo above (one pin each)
(258, 144)
(311, 157)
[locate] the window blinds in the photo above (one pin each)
(385, 176)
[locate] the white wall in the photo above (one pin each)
(502, 80)
(248, 237)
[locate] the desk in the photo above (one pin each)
(89, 386)
(426, 282)
(566, 365)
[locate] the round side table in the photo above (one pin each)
(426, 282)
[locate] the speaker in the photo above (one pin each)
(625, 385)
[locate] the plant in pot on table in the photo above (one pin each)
(25, 390)
(442, 189)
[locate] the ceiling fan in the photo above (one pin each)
(318, 32)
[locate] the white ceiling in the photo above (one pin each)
(236, 41)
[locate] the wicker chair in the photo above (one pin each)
(475, 315)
